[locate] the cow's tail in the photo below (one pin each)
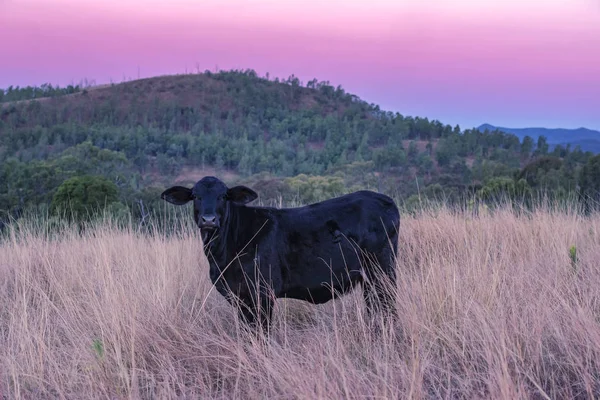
(392, 230)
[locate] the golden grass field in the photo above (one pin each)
(489, 306)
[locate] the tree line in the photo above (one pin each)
(16, 93)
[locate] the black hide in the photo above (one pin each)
(313, 253)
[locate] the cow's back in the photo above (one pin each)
(326, 241)
(365, 215)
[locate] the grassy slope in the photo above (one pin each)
(490, 306)
(199, 91)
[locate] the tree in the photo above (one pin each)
(84, 196)
(311, 189)
(542, 145)
(589, 183)
(536, 169)
(527, 145)
(501, 188)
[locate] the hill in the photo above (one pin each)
(292, 141)
(587, 139)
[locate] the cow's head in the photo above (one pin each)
(211, 200)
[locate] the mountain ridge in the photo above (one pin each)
(587, 139)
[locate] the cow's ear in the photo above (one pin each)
(177, 195)
(241, 194)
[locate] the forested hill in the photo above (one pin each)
(289, 140)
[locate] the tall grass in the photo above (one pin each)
(490, 305)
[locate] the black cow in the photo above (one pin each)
(312, 253)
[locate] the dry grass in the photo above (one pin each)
(489, 307)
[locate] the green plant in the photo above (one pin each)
(98, 347)
(573, 257)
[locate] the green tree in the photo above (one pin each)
(542, 146)
(527, 145)
(83, 196)
(310, 189)
(502, 188)
(535, 171)
(589, 183)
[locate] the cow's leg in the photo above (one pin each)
(257, 312)
(247, 312)
(259, 288)
(265, 313)
(376, 296)
(379, 287)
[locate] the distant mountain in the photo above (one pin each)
(587, 139)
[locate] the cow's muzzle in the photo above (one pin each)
(208, 222)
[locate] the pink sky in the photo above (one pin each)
(510, 63)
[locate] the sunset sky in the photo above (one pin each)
(510, 63)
